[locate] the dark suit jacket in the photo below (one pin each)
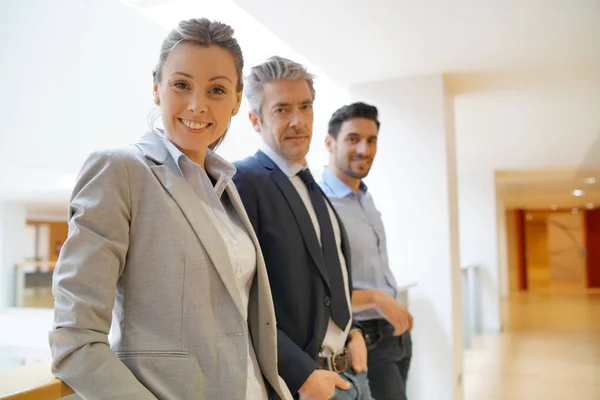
(295, 264)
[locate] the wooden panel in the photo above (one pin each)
(58, 235)
(592, 232)
(58, 232)
(32, 382)
(54, 390)
(520, 239)
(566, 245)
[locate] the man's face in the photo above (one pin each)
(355, 147)
(286, 118)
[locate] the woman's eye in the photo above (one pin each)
(181, 85)
(217, 90)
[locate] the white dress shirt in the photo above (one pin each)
(335, 338)
(232, 230)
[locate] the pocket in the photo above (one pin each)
(153, 353)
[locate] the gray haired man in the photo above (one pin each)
(320, 354)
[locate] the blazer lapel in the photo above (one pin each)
(200, 217)
(300, 214)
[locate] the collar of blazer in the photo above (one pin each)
(196, 212)
(303, 219)
(300, 213)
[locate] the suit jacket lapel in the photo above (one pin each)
(200, 216)
(300, 213)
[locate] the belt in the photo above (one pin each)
(339, 362)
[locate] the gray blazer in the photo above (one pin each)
(142, 260)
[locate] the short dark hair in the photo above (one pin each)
(347, 112)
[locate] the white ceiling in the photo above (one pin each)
(545, 189)
(357, 40)
(525, 75)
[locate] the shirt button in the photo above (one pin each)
(235, 242)
(327, 301)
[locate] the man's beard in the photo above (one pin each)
(348, 170)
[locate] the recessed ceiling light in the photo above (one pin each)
(554, 207)
(575, 211)
(590, 206)
(578, 192)
(590, 180)
(529, 217)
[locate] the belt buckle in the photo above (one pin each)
(334, 362)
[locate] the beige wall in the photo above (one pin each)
(536, 248)
(554, 244)
(566, 244)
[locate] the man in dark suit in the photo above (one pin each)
(303, 241)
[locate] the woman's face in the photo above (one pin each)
(197, 95)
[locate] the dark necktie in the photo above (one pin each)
(339, 305)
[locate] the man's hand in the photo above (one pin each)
(321, 385)
(357, 349)
(394, 312)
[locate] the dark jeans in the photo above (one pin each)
(389, 360)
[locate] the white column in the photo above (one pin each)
(414, 185)
(479, 239)
(13, 236)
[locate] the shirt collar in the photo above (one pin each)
(290, 168)
(337, 186)
(215, 165)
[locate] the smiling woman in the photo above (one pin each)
(198, 86)
(159, 250)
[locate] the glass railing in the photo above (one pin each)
(471, 302)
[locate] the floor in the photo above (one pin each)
(550, 349)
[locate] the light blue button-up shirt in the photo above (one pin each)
(366, 234)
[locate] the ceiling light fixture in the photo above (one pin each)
(591, 180)
(578, 192)
(590, 206)
(554, 207)
(575, 211)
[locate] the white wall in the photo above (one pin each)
(413, 182)
(13, 237)
(77, 78)
(527, 120)
(478, 238)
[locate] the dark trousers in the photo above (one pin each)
(389, 360)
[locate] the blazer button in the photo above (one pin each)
(327, 301)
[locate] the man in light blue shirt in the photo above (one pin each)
(386, 324)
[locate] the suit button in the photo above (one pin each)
(327, 301)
